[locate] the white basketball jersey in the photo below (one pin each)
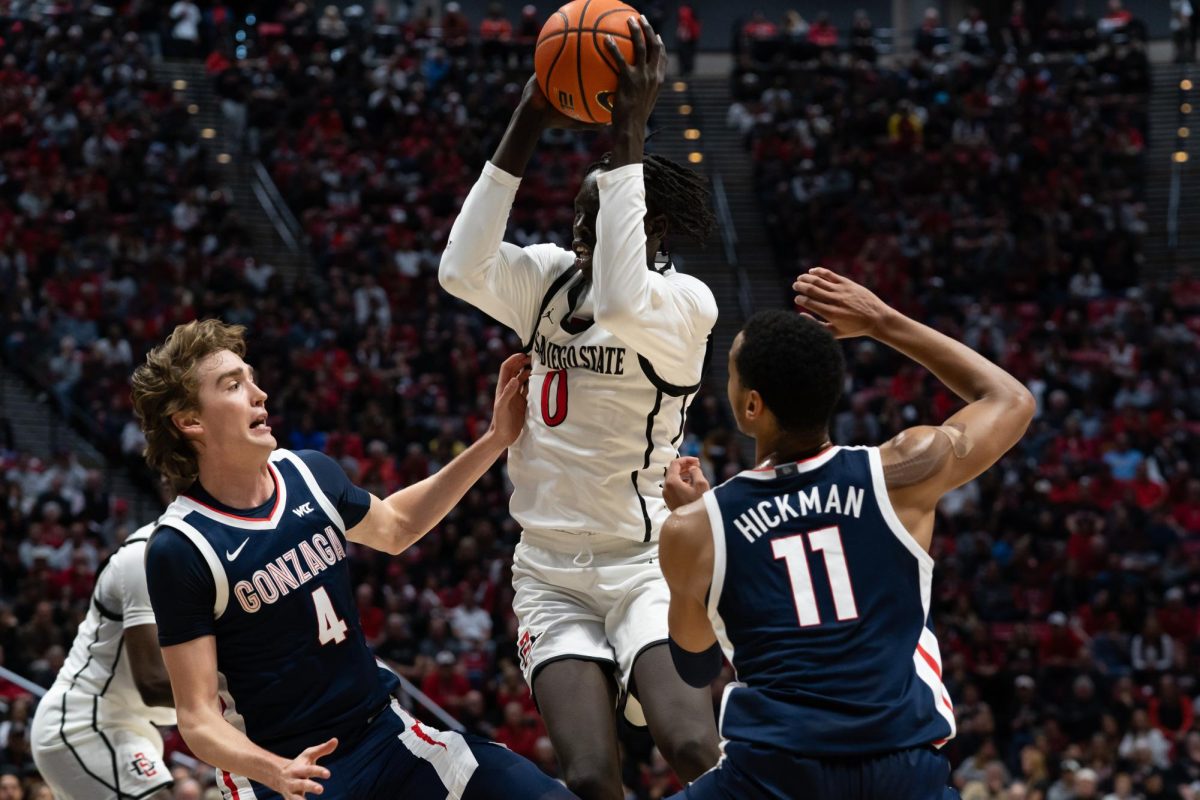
(601, 427)
(97, 666)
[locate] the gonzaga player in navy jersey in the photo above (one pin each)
(812, 574)
(252, 592)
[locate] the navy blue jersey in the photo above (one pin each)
(820, 600)
(273, 586)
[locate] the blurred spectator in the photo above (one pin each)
(687, 38)
(185, 32)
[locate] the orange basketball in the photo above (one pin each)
(574, 68)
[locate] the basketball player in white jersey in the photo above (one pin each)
(94, 734)
(618, 340)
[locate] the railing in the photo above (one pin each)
(26, 684)
(729, 239)
(282, 218)
(1179, 156)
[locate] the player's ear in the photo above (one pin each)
(188, 423)
(754, 405)
(656, 226)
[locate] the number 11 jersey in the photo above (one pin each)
(820, 600)
(273, 586)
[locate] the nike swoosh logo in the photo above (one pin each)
(232, 556)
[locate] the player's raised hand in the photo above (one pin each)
(512, 391)
(638, 83)
(298, 777)
(533, 100)
(847, 308)
(685, 482)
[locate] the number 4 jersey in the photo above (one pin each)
(273, 586)
(820, 600)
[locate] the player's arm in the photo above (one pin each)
(146, 664)
(126, 574)
(395, 523)
(183, 594)
(685, 551)
(651, 313)
(922, 464)
(502, 280)
(193, 669)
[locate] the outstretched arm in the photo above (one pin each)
(926, 462)
(193, 670)
(500, 279)
(393, 524)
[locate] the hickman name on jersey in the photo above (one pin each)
(617, 360)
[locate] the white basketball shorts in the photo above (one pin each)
(590, 597)
(88, 753)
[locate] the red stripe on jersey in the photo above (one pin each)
(933, 665)
(425, 737)
(271, 513)
(229, 783)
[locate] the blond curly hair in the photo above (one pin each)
(168, 383)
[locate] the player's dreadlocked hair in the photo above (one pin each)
(675, 191)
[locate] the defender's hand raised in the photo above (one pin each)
(512, 390)
(848, 308)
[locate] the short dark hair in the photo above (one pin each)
(795, 365)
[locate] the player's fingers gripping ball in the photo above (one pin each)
(574, 68)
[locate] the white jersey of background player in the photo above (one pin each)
(618, 341)
(94, 734)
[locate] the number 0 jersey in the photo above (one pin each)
(274, 587)
(617, 359)
(820, 600)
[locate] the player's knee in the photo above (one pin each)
(690, 754)
(593, 780)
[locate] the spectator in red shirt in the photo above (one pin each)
(759, 28)
(1176, 619)
(519, 732)
(822, 33)
(1170, 710)
(446, 685)
(370, 616)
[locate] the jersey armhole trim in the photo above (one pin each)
(889, 513)
(220, 579)
(716, 524)
(314, 488)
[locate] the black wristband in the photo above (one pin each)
(697, 669)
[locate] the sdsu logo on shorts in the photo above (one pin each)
(143, 766)
(525, 647)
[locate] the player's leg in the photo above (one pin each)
(680, 717)
(577, 699)
(568, 663)
(502, 775)
(82, 761)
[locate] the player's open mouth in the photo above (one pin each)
(583, 253)
(260, 424)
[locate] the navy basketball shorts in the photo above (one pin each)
(751, 772)
(398, 757)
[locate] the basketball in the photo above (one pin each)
(574, 67)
